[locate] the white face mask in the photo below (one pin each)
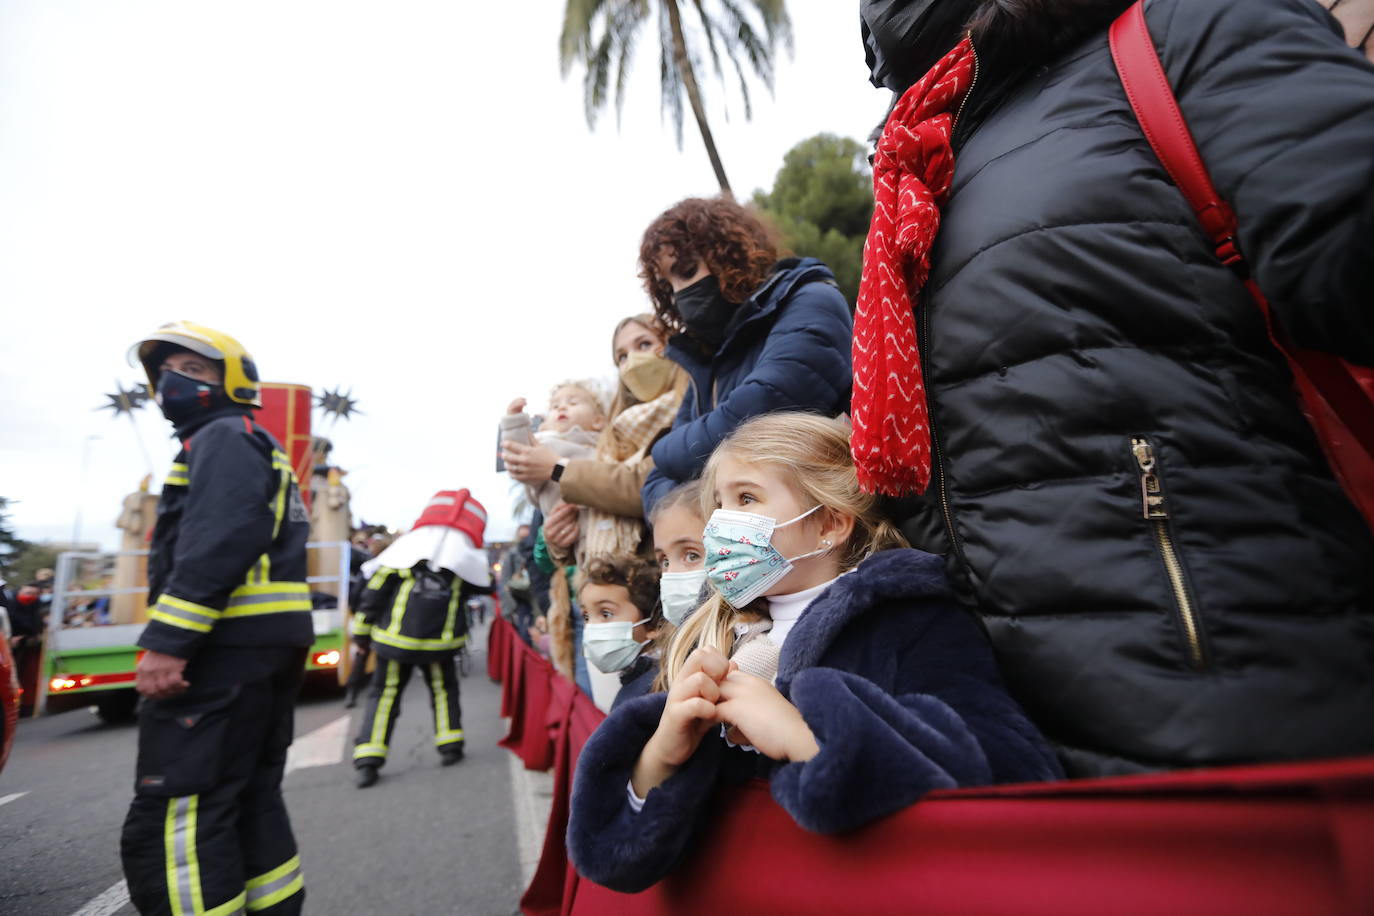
(611, 646)
(678, 594)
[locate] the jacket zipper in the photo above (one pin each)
(972, 83)
(938, 464)
(1155, 510)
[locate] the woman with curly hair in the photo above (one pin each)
(755, 334)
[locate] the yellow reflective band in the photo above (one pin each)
(190, 607)
(452, 616)
(378, 578)
(184, 624)
(280, 871)
(442, 733)
(266, 588)
(231, 908)
(179, 854)
(379, 721)
(268, 607)
(177, 481)
(369, 750)
(290, 886)
(398, 607)
(397, 641)
(178, 476)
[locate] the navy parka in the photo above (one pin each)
(787, 348)
(901, 690)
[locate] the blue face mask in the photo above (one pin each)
(611, 646)
(741, 561)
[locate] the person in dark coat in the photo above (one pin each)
(881, 688)
(755, 334)
(1080, 344)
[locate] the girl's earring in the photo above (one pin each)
(825, 542)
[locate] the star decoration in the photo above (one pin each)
(337, 404)
(126, 401)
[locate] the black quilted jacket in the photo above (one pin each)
(1082, 343)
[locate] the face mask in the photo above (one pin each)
(646, 374)
(678, 592)
(27, 599)
(182, 397)
(705, 312)
(741, 561)
(611, 647)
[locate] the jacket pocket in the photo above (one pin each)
(182, 743)
(1155, 511)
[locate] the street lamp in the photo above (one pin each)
(81, 489)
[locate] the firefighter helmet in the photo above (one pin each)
(240, 372)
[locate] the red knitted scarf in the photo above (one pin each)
(912, 170)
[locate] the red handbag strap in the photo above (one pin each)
(1152, 99)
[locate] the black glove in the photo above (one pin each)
(364, 643)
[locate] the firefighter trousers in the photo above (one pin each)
(384, 706)
(208, 831)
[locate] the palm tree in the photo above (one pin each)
(601, 34)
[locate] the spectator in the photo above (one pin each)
(755, 334)
(26, 641)
(619, 599)
(885, 687)
(515, 579)
(570, 430)
(1119, 471)
(648, 396)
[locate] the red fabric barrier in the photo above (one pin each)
(497, 658)
(1296, 838)
(1275, 838)
(529, 706)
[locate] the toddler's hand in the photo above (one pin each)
(516, 406)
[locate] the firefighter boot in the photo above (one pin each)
(450, 755)
(365, 776)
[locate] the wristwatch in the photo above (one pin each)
(557, 473)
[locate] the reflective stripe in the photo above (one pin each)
(178, 612)
(283, 465)
(452, 617)
(231, 908)
(397, 641)
(376, 747)
(361, 627)
(398, 607)
(378, 578)
(178, 476)
(276, 885)
(253, 599)
(183, 867)
(259, 574)
(442, 733)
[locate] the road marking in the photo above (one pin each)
(9, 798)
(532, 797)
(108, 903)
(320, 748)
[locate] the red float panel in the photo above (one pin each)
(285, 414)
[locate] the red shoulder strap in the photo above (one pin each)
(1152, 99)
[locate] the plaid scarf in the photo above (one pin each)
(912, 171)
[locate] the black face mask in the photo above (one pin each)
(705, 312)
(182, 397)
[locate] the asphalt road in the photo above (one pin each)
(424, 840)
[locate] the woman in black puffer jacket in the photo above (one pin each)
(1076, 333)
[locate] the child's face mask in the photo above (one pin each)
(741, 561)
(611, 646)
(678, 592)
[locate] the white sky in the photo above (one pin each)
(401, 197)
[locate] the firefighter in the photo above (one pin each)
(224, 649)
(413, 616)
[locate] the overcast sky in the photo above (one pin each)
(401, 197)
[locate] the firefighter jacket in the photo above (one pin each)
(415, 615)
(227, 560)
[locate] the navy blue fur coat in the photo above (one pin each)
(897, 683)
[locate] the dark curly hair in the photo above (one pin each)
(636, 575)
(734, 242)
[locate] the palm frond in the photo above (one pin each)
(579, 23)
(758, 50)
(708, 26)
(669, 77)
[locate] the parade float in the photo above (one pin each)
(100, 598)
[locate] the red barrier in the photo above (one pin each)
(1282, 838)
(497, 637)
(529, 734)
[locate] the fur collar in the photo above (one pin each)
(890, 575)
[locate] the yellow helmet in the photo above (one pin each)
(240, 372)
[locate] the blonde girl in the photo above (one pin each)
(884, 688)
